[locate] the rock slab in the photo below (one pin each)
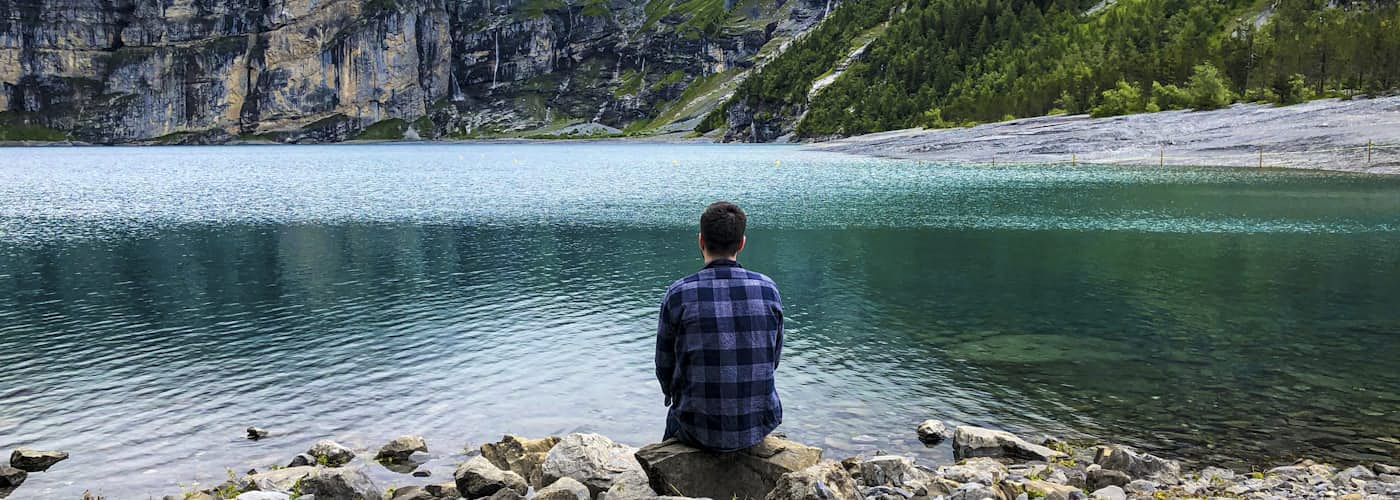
(330, 453)
(932, 432)
(401, 448)
(566, 488)
(970, 442)
(11, 477)
(31, 460)
(674, 468)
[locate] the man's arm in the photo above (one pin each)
(666, 333)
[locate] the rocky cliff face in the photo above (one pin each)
(117, 71)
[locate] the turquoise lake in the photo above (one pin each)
(154, 302)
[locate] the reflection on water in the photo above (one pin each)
(152, 308)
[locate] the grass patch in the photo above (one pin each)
(17, 127)
(386, 130)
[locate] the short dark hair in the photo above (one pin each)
(722, 227)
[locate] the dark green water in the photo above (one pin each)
(156, 301)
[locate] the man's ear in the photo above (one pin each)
(700, 239)
(742, 241)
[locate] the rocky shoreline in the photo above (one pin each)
(989, 465)
(1357, 135)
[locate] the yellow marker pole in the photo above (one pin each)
(1162, 157)
(1074, 160)
(1261, 156)
(1369, 145)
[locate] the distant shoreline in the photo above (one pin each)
(1327, 134)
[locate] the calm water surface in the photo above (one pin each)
(156, 301)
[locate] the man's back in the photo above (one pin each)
(719, 337)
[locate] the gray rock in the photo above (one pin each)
(478, 478)
(565, 488)
(401, 448)
(1109, 493)
(887, 493)
(1141, 487)
(335, 483)
(506, 494)
(888, 470)
(678, 469)
(302, 459)
(1345, 477)
(824, 481)
(970, 442)
(974, 491)
(521, 456)
(631, 485)
(1099, 478)
(31, 460)
(932, 432)
(1138, 465)
(280, 480)
(330, 453)
(981, 470)
(422, 473)
(591, 459)
(1049, 490)
(11, 477)
(443, 490)
(256, 433)
(411, 493)
(1214, 474)
(263, 495)
(1385, 469)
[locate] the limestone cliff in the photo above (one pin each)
(118, 71)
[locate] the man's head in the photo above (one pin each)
(722, 230)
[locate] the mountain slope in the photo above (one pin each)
(948, 62)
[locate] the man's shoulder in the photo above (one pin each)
(706, 277)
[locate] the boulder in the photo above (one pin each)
(11, 477)
(302, 459)
(889, 470)
(256, 433)
(280, 480)
(1109, 493)
(1050, 491)
(1379, 468)
(1141, 487)
(631, 485)
(1137, 465)
(330, 453)
(565, 488)
(932, 432)
(478, 478)
(674, 468)
(1343, 478)
(349, 483)
(974, 491)
(591, 459)
(505, 494)
(824, 481)
(1099, 478)
(31, 460)
(520, 455)
(401, 448)
(971, 442)
(975, 470)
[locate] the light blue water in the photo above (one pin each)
(156, 301)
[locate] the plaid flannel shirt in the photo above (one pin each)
(718, 340)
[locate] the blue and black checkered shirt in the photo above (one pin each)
(718, 340)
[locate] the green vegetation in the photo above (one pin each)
(783, 83)
(15, 126)
(950, 62)
(538, 8)
(386, 130)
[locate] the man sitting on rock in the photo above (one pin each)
(718, 340)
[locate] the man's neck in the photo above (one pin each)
(711, 260)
